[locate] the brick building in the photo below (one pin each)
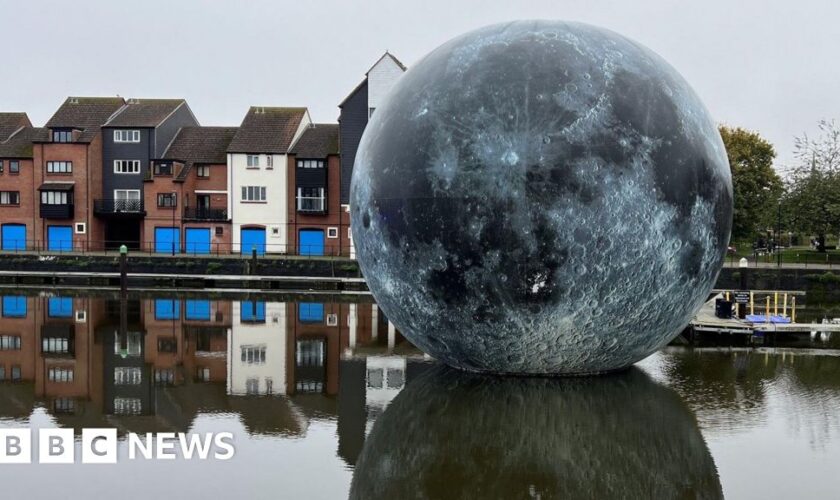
(18, 194)
(185, 195)
(317, 223)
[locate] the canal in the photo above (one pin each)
(324, 399)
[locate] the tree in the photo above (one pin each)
(756, 185)
(813, 198)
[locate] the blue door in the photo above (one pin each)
(60, 307)
(198, 310)
(59, 238)
(253, 238)
(311, 242)
(167, 309)
(13, 237)
(167, 238)
(198, 240)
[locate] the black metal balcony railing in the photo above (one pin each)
(202, 213)
(311, 204)
(57, 211)
(119, 206)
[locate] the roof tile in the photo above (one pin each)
(267, 130)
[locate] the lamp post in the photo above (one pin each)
(779, 235)
(174, 203)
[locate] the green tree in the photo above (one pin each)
(812, 202)
(757, 187)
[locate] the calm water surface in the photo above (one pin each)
(326, 401)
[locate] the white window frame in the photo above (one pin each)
(66, 167)
(269, 161)
(254, 194)
(81, 316)
(80, 228)
(252, 161)
(332, 319)
(202, 168)
(121, 167)
(126, 136)
(332, 232)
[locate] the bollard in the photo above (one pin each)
(752, 303)
(793, 309)
(123, 268)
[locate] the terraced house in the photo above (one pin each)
(257, 160)
(135, 135)
(67, 164)
(185, 194)
(317, 224)
(17, 182)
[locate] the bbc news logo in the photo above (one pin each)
(99, 446)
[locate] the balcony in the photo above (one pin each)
(311, 204)
(65, 211)
(203, 213)
(118, 208)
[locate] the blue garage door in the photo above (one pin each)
(13, 237)
(60, 307)
(59, 238)
(251, 312)
(166, 238)
(311, 312)
(198, 310)
(311, 242)
(253, 238)
(167, 309)
(198, 240)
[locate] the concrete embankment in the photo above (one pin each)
(820, 285)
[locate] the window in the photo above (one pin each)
(62, 136)
(163, 169)
(165, 376)
(202, 172)
(56, 198)
(15, 373)
(310, 353)
(332, 319)
(128, 375)
(128, 406)
(64, 405)
(310, 199)
(220, 230)
(168, 344)
(269, 161)
(253, 193)
(126, 136)
(167, 200)
(332, 232)
(310, 164)
(134, 344)
(1, 166)
(59, 167)
(253, 161)
(204, 374)
(55, 345)
(57, 374)
(253, 354)
(311, 312)
(375, 378)
(80, 228)
(9, 342)
(9, 197)
(198, 310)
(14, 167)
(126, 166)
(252, 385)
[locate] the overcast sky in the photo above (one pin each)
(771, 66)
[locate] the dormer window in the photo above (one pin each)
(62, 136)
(126, 136)
(163, 169)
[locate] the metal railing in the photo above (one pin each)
(182, 248)
(117, 206)
(311, 203)
(203, 213)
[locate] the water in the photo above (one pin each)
(325, 401)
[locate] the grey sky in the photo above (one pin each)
(770, 66)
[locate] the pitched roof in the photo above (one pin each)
(84, 113)
(145, 112)
(267, 130)
(19, 145)
(200, 145)
(11, 123)
(363, 82)
(318, 141)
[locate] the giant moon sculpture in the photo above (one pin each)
(541, 197)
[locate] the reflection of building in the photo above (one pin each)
(257, 348)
